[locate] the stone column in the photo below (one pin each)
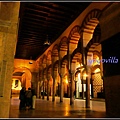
(84, 61)
(61, 88)
(68, 89)
(71, 88)
(43, 96)
(88, 72)
(60, 71)
(38, 89)
(38, 84)
(54, 75)
(9, 12)
(48, 88)
(34, 81)
(82, 89)
(53, 95)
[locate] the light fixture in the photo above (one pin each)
(30, 62)
(47, 42)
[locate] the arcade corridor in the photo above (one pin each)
(82, 59)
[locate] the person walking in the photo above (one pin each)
(22, 98)
(28, 96)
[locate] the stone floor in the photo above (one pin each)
(49, 109)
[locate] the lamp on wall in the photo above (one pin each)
(47, 42)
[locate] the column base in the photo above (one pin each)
(61, 100)
(53, 99)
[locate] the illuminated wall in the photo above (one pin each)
(16, 84)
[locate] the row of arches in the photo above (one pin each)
(63, 68)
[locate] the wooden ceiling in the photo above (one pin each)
(39, 19)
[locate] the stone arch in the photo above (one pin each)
(55, 53)
(91, 20)
(89, 24)
(40, 61)
(55, 67)
(64, 65)
(24, 75)
(49, 70)
(97, 53)
(63, 46)
(94, 68)
(83, 73)
(77, 72)
(94, 45)
(76, 55)
(95, 41)
(49, 60)
(76, 60)
(74, 31)
(44, 61)
(74, 37)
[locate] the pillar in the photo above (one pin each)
(43, 96)
(88, 72)
(40, 89)
(111, 75)
(34, 81)
(54, 90)
(82, 89)
(48, 88)
(68, 89)
(61, 88)
(71, 89)
(84, 61)
(92, 93)
(9, 12)
(110, 40)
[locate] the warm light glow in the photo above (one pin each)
(77, 65)
(46, 43)
(81, 64)
(66, 111)
(66, 81)
(78, 76)
(30, 62)
(85, 75)
(97, 70)
(96, 58)
(16, 86)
